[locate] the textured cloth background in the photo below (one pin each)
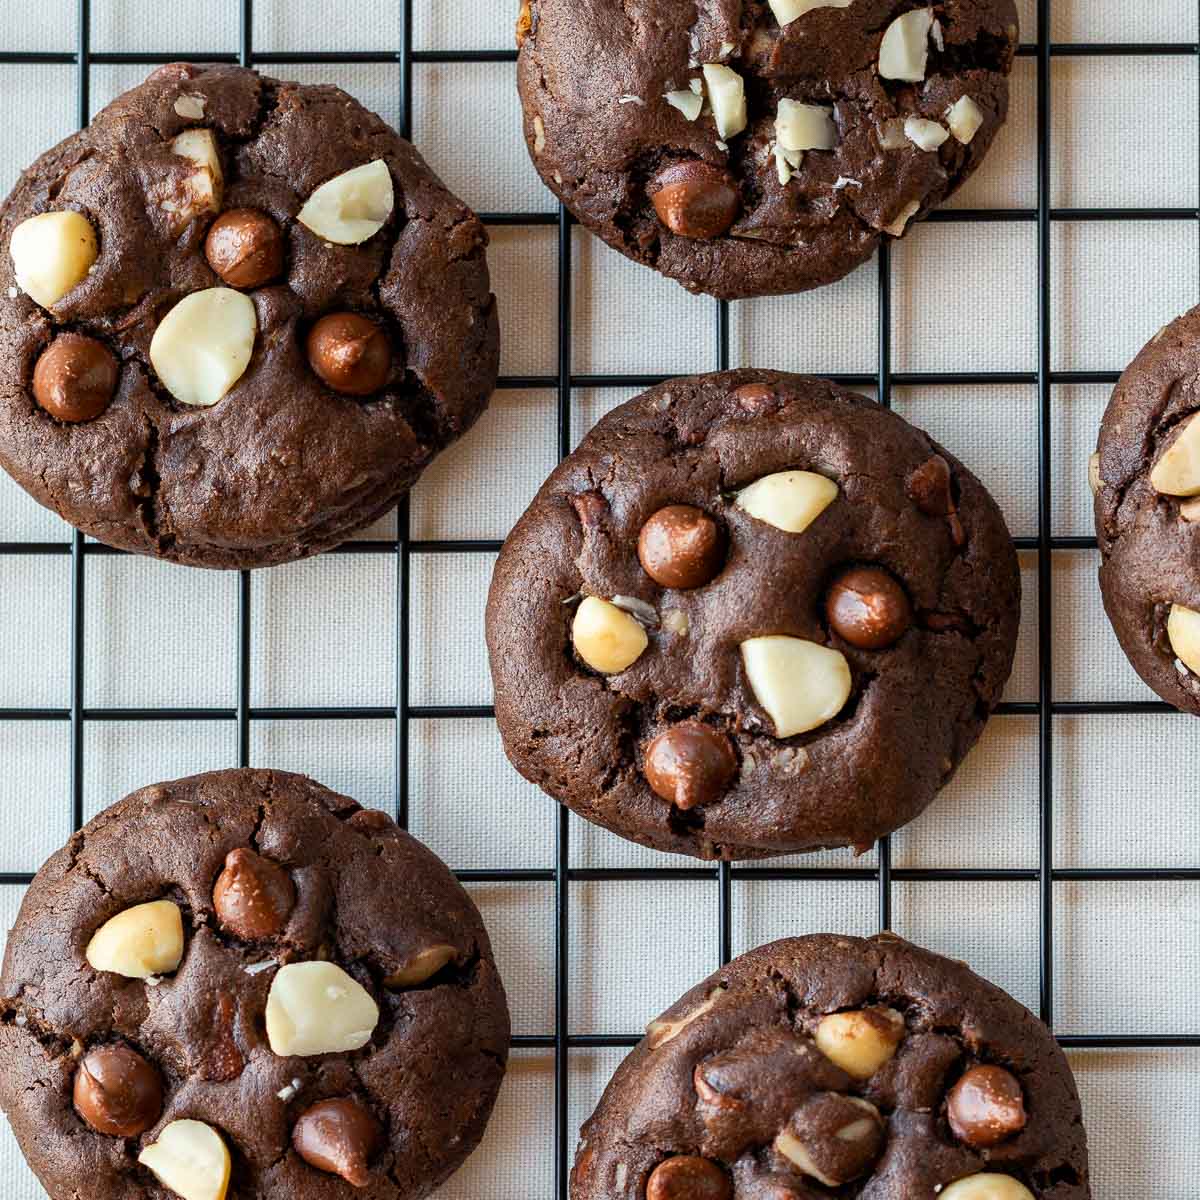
(1124, 134)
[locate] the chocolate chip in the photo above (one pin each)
(245, 247)
(75, 378)
(590, 507)
(756, 398)
(690, 764)
(694, 199)
(929, 489)
(986, 1106)
(253, 896)
(350, 353)
(868, 608)
(117, 1092)
(338, 1136)
(222, 1060)
(688, 1177)
(681, 547)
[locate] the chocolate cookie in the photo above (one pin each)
(751, 614)
(747, 147)
(242, 316)
(242, 982)
(1146, 479)
(873, 1068)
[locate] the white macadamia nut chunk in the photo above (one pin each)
(1094, 481)
(606, 637)
(202, 347)
(789, 500)
(988, 1186)
(897, 225)
(190, 107)
(965, 119)
(799, 683)
(422, 966)
(1183, 632)
(727, 95)
(904, 51)
(139, 942)
(51, 253)
(1189, 510)
(805, 126)
(860, 1042)
(925, 135)
(659, 1032)
(352, 206)
(191, 1159)
(1177, 472)
(793, 1149)
(316, 1008)
(204, 188)
(687, 101)
(786, 11)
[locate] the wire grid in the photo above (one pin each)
(403, 547)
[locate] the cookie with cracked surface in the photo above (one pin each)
(239, 318)
(869, 1066)
(1146, 478)
(752, 614)
(243, 983)
(746, 148)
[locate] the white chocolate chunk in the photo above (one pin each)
(140, 942)
(786, 11)
(191, 108)
(783, 163)
(204, 188)
(51, 253)
(202, 347)
(191, 1159)
(860, 1042)
(789, 500)
(965, 119)
(799, 683)
(1183, 632)
(687, 101)
(727, 95)
(422, 966)
(1094, 481)
(316, 1008)
(805, 126)
(988, 1186)
(607, 638)
(352, 206)
(904, 51)
(1177, 472)
(661, 1031)
(926, 135)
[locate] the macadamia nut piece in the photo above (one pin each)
(786, 11)
(965, 119)
(800, 684)
(350, 207)
(1183, 632)
(203, 189)
(421, 966)
(51, 253)
(1177, 472)
(727, 95)
(606, 637)
(139, 942)
(805, 126)
(661, 1031)
(925, 135)
(987, 1187)
(316, 1008)
(860, 1042)
(202, 347)
(789, 500)
(687, 101)
(191, 1159)
(904, 51)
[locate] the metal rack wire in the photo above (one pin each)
(403, 547)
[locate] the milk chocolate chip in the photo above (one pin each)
(75, 378)
(986, 1107)
(688, 1177)
(350, 353)
(338, 1136)
(117, 1092)
(694, 200)
(868, 608)
(681, 547)
(929, 487)
(690, 764)
(253, 896)
(245, 247)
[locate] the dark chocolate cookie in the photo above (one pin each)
(242, 981)
(747, 147)
(242, 316)
(873, 1068)
(751, 614)
(1146, 477)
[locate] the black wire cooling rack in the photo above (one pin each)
(403, 548)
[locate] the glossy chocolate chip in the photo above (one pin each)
(75, 378)
(690, 764)
(929, 487)
(117, 1092)
(338, 1136)
(694, 199)
(986, 1106)
(350, 353)
(868, 608)
(245, 247)
(253, 896)
(688, 1177)
(681, 547)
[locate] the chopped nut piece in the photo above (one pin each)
(860, 1042)
(659, 1032)
(1183, 632)
(987, 1186)
(539, 135)
(423, 965)
(316, 1008)
(190, 1159)
(799, 683)
(524, 23)
(202, 347)
(605, 638)
(1177, 472)
(789, 500)
(1094, 481)
(727, 95)
(676, 621)
(965, 118)
(351, 207)
(191, 108)
(891, 134)
(899, 222)
(139, 942)
(904, 51)
(805, 126)
(203, 190)
(687, 102)
(51, 253)
(926, 135)
(786, 11)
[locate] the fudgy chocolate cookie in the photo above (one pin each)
(746, 147)
(241, 317)
(873, 1068)
(751, 614)
(243, 983)
(1146, 479)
